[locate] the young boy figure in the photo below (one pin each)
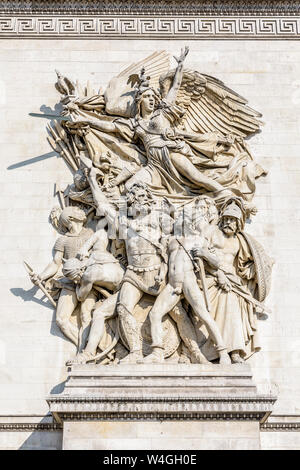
(183, 282)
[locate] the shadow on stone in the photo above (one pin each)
(49, 113)
(47, 435)
(28, 295)
(48, 110)
(58, 388)
(30, 161)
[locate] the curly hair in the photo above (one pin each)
(131, 194)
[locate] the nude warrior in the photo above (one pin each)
(183, 281)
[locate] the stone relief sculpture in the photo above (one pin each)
(153, 263)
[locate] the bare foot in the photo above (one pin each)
(156, 357)
(183, 359)
(81, 358)
(236, 358)
(132, 358)
(224, 358)
(198, 358)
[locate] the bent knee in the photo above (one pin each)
(154, 315)
(87, 277)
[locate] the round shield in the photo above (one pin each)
(171, 338)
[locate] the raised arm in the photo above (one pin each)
(88, 245)
(104, 207)
(84, 250)
(172, 94)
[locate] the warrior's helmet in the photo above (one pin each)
(71, 212)
(234, 208)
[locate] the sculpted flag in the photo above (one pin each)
(151, 241)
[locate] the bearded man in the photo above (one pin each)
(238, 286)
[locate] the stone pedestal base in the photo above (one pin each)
(161, 435)
(161, 406)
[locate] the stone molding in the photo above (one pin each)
(171, 392)
(30, 427)
(152, 7)
(277, 427)
(161, 417)
(117, 25)
(160, 408)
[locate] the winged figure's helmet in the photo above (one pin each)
(142, 85)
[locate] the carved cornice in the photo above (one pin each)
(152, 7)
(156, 26)
(51, 427)
(158, 416)
(29, 427)
(278, 427)
(254, 408)
(268, 399)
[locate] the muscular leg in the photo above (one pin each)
(186, 168)
(86, 317)
(102, 313)
(66, 305)
(187, 333)
(86, 283)
(84, 290)
(195, 298)
(128, 298)
(165, 302)
(105, 311)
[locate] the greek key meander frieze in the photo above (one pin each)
(184, 27)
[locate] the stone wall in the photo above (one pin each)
(32, 349)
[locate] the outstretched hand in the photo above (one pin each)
(183, 54)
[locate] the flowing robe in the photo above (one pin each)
(233, 168)
(235, 316)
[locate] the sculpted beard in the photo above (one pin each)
(138, 207)
(229, 227)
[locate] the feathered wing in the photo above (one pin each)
(211, 106)
(120, 92)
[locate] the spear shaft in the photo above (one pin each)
(39, 283)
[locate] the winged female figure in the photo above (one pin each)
(191, 133)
